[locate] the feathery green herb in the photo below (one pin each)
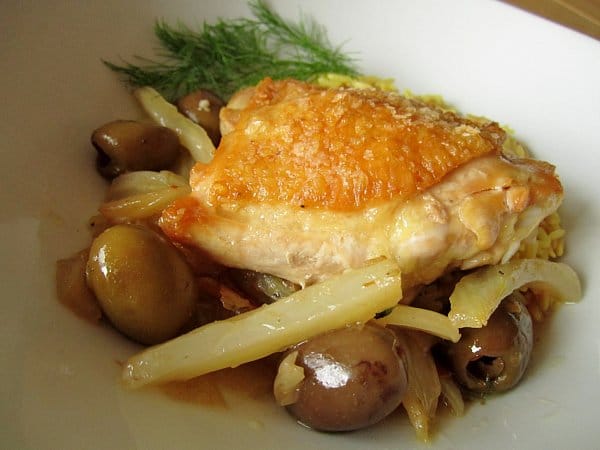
(231, 54)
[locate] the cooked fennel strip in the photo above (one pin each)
(354, 296)
(141, 194)
(191, 135)
(422, 319)
(141, 206)
(452, 395)
(424, 388)
(289, 376)
(143, 182)
(477, 295)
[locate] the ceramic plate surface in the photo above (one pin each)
(59, 375)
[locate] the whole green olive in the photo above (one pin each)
(127, 145)
(144, 286)
(203, 107)
(353, 378)
(494, 358)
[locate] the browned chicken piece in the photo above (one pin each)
(310, 181)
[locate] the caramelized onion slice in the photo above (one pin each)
(477, 295)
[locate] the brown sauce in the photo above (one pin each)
(72, 290)
(253, 380)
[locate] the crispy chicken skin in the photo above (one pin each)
(339, 149)
(309, 181)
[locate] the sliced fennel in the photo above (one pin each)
(191, 135)
(452, 395)
(289, 376)
(142, 182)
(422, 319)
(355, 296)
(424, 388)
(141, 206)
(477, 295)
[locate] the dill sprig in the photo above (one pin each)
(230, 54)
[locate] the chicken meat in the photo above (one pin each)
(309, 181)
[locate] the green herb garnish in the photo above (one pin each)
(232, 54)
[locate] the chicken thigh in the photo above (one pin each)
(309, 181)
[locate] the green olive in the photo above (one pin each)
(495, 357)
(262, 287)
(143, 284)
(353, 378)
(127, 145)
(203, 107)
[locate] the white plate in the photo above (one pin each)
(58, 375)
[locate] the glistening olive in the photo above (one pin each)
(203, 107)
(262, 287)
(127, 145)
(494, 358)
(353, 378)
(143, 285)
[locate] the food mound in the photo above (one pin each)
(384, 250)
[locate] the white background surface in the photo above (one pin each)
(58, 375)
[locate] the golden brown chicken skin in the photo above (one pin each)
(310, 181)
(341, 149)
